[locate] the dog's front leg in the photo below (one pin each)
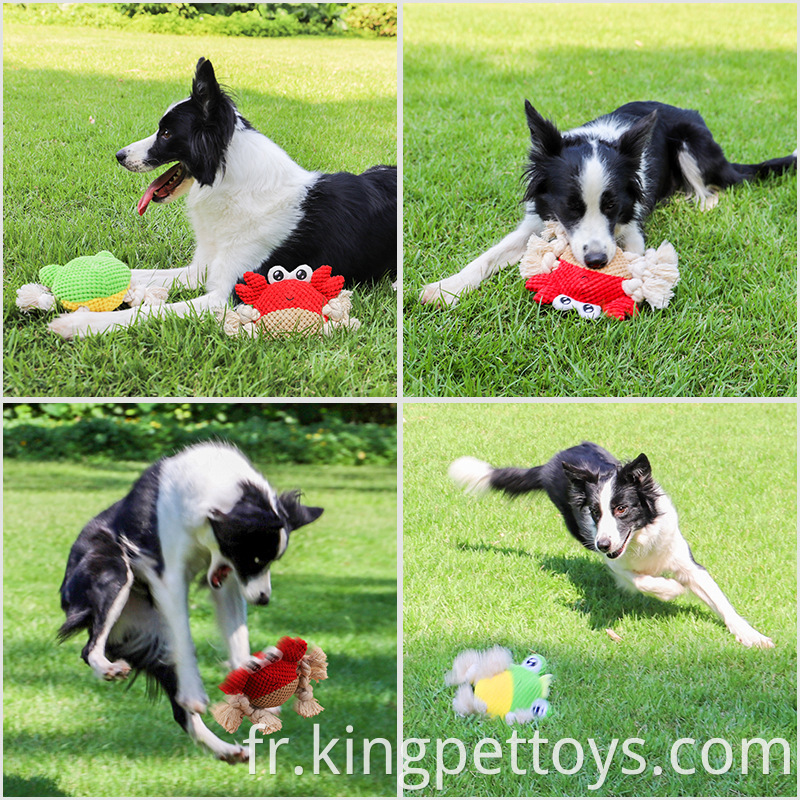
(508, 251)
(705, 587)
(82, 323)
(232, 621)
(629, 237)
(170, 594)
(662, 588)
(190, 277)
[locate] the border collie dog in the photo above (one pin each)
(602, 180)
(619, 511)
(205, 510)
(251, 206)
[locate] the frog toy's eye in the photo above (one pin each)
(540, 708)
(534, 663)
(276, 274)
(302, 273)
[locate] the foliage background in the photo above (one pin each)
(222, 19)
(302, 433)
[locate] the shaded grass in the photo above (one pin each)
(336, 586)
(479, 572)
(731, 328)
(330, 103)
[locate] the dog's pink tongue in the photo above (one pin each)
(219, 575)
(145, 199)
(157, 184)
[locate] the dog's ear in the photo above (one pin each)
(545, 137)
(639, 469)
(204, 85)
(209, 140)
(578, 475)
(633, 142)
(296, 512)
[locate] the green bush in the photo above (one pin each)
(303, 433)
(226, 19)
(380, 18)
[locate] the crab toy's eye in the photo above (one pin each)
(302, 273)
(533, 663)
(276, 274)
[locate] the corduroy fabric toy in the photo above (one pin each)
(616, 290)
(279, 674)
(515, 692)
(312, 304)
(96, 283)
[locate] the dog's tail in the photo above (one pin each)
(477, 477)
(77, 620)
(775, 166)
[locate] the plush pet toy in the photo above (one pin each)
(274, 676)
(616, 290)
(96, 283)
(301, 301)
(515, 692)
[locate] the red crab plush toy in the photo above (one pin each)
(272, 678)
(590, 293)
(302, 300)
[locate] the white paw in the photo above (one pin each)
(113, 671)
(71, 325)
(708, 201)
(750, 637)
(444, 293)
(235, 755)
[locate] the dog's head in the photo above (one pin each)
(590, 183)
(193, 136)
(616, 504)
(254, 534)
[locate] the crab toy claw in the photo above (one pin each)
(252, 288)
(325, 284)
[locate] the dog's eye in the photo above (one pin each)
(620, 510)
(276, 274)
(165, 133)
(576, 206)
(607, 203)
(302, 273)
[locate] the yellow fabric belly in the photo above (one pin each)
(496, 692)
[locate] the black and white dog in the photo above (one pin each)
(602, 180)
(206, 510)
(617, 510)
(251, 206)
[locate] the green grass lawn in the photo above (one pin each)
(72, 97)
(484, 571)
(66, 733)
(731, 328)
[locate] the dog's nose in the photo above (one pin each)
(595, 259)
(604, 545)
(262, 599)
(121, 156)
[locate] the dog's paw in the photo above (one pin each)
(116, 671)
(235, 755)
(444, 293)
(71, 325)
(750, 637)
